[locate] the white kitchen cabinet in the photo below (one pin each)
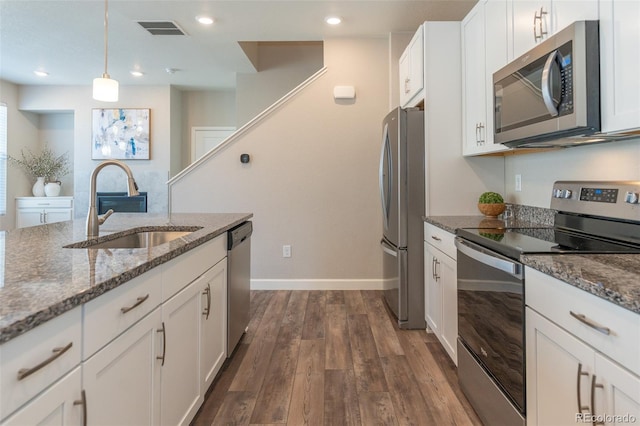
(122, 380)
(181, 393)
(214, 322)
(32, 211)
(534, 21)
(35, 360)
(441, 298)
(571, 362)
(484, 47)
(619, 64)
(60, 405)
(411, 71)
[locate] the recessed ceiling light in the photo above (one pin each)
(41, 73)
(136, 73)
(333, 20)
(204, 20)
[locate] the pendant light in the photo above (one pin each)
(105, 88)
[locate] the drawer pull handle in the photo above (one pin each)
(139, 302)
(57, 353)
(207, 292)
(433, 237)
(82, 401)
(595, 385)
(591, 323)
(581, 373)
(164, 344)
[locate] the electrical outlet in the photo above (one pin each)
(286, 250)
(518, 183)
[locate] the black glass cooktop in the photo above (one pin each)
(516, 241)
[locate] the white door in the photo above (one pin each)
(204, 139)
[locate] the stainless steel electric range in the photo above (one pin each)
(592, 217)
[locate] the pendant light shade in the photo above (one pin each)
(105, 88)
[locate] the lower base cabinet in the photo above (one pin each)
(582, 356)
(571, 383)
(122, 380)
(60, 405)
(441, 288)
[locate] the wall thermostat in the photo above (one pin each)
(244, 158)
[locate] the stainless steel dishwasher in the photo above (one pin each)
(238, 282)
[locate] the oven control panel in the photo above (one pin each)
(614, 199)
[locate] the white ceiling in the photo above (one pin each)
(65, 37)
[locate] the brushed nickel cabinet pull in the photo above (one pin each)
(433, 237)
(82, 401)
(164, 344)
(581, 373)
(57, 353)
(139, 302)
(595, 385)
(207, 292)
(583, 319)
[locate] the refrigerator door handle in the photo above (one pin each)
(385, 176)
(388, 249)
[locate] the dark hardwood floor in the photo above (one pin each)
(334, 358)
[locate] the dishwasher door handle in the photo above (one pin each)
(508, 266)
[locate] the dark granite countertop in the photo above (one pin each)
(43, 280)
(613, 277)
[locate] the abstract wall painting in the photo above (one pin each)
(120, 133)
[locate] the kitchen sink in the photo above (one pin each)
(132, 239)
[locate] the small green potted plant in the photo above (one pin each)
(491, 204)
(46, 167)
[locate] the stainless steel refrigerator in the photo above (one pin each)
(402, 193)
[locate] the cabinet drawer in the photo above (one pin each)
(44, 202)
(48, 352)
(441, 239)
(181, 271)
(556, 300)
(115, 311)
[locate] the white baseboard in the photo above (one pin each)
(317, 284)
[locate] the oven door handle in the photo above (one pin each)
(504, 265)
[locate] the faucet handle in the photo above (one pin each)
(104, 217)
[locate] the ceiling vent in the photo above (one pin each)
(162, 27)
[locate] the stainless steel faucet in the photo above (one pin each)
(93, 220)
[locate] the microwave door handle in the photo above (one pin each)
(546, 82)
(511, 268)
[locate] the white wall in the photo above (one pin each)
(22, 133)
(151, 175)
(312, 180)
(609, 161)
(281, 67)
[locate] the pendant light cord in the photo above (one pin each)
(106, 37)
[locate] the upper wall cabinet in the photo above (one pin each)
(620, 64)
(484, 51)
(534, 20)
(411, 71)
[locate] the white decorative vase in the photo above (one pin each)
(38, 187)
(52, 189)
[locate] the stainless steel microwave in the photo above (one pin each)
(550, 94)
